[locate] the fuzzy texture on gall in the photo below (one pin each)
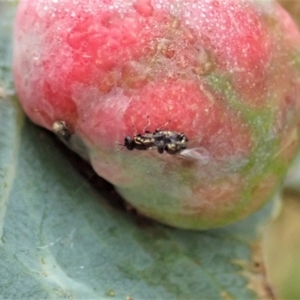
(224, 73)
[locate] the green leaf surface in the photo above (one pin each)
(60, 237)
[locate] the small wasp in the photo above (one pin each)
(139, 141)
(61, 129)
(170, 141)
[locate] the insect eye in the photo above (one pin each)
(127, 140)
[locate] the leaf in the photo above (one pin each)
(61, 238)
(281, 243)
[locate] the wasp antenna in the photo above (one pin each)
(167, 123)
(123, 146)
(148, 124)
(133, 126)
(120, 148)
(160, 127)
(135, 131)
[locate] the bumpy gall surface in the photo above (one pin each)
(224, 73)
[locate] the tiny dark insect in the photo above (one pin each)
(139, 141)
(61, 129)
(170, 141)
(163, 140)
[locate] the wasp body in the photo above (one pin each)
(139, 142)
(170, 141)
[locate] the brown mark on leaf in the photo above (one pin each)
(282, 246)
(255, 272)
